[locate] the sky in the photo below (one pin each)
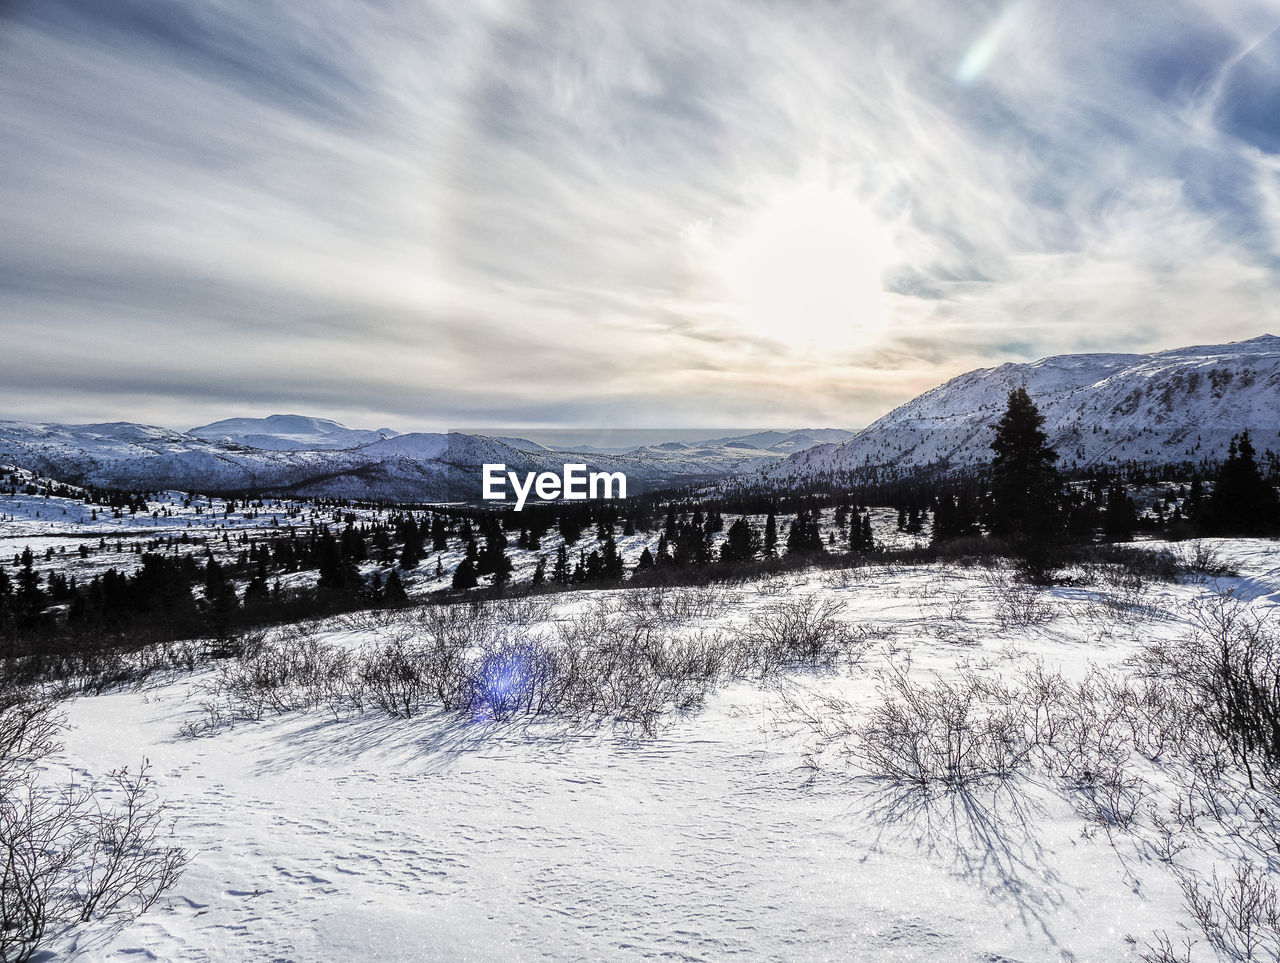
(426, 214)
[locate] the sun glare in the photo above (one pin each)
(809, 268)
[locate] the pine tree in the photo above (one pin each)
(1025, 507)
(771, 535)
(464, 576)
(539, 573)
(29, 600)
(561, 572)
(1243, 502)
(393, 593)
(610, 561)
(954, 518)
(741, 544)
(1120, 517)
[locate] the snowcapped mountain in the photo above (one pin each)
(409, 467)
(289, 433)
(1171, 406)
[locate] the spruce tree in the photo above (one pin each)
(1119, 518)
(1025, 507)
(741, 544)
(393, 593)
(561, 571)
(464, 576)
(1243, 502)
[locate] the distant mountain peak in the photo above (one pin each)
(290, 433)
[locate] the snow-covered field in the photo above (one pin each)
(734, 832)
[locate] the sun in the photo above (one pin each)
(808, 268)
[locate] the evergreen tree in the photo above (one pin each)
(646, 560)
(1243, 502)
(6, 597)
(439, 535)
(1025, 507)
(741, 544)
(771, 535)
(611, 566)
(861, 541)
(393, 593)
(410, 555)
(539, 573)
(338, 576)
(29, 599)
(1119, 519)
(805, 536)
(257, 597)
(501, 567)
(561, 572)
(570, 528)
(954, 517)
(219, 596)
(464, 576)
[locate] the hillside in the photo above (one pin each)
(410, 467)
(289, 433)
(1171, 406)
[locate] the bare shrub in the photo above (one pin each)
(1019, 605)
(942, 733)
(1239, 914)
(292, 671)
(1229, 669)
(679, 604)
(1201, 558)
(799, 631)
(67, 856)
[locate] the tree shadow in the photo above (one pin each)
(986, 832)
(433, 741)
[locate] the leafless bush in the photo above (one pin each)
(1201, 558)
(295, 670)
(1019, 605)
(29, 728)
(1163, 950)
(800, 631)
(982, 726)
(67, 856)
(1239, 914)
(943, 733)
(1229, 670)
(679, 604)
(490, 663)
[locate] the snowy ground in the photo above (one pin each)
(729, 834)
(56, 527)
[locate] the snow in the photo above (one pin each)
(1173, 406)
(289, 433)
(436, 838)
(294, 455)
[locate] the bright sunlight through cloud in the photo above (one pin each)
(808, 268)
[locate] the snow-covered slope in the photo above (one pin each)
(1172, 406)
(289, 433)
(410, 467)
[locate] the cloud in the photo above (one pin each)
(427, 214)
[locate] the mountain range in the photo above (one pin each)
(297, 455)
(1181, 405)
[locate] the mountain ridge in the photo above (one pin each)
(1180, 404)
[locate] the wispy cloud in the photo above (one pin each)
(424, 214)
